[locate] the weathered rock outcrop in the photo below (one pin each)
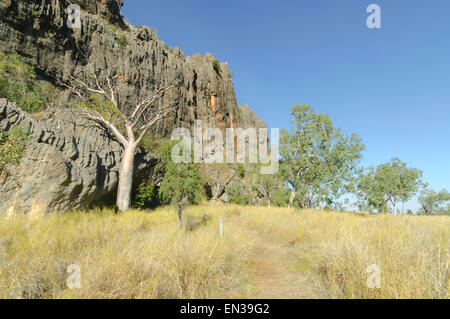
(37, 31)
(69, 162)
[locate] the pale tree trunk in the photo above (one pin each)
(126, 178)
(291, 200)
(216, 194)
(180, 216)
(308, 203)
(268, 202)
(110, 87)
(395, 208)
(220, 188)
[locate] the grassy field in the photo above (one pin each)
(145, 255)
(412, 252)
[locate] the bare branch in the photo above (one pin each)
(144, 105)
(159, 115)
(109, 86)
(97, 117)
(85, 86)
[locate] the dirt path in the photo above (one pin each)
(276, 273)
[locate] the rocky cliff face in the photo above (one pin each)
(37, 31)
(68, 163)
(83, 159)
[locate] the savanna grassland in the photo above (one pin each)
(267, 253)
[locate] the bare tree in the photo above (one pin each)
(266, 184)
(108, 102)
(219, 176)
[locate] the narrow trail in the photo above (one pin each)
(276, 273)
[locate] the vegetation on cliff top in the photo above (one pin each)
(12, 145)
(18, 84)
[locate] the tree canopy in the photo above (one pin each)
(182, 183)
(434, 203)
(389, 183)
(318, 159)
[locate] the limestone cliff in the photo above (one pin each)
(37, 31)
(70, 163)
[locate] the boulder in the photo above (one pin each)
(68, 163)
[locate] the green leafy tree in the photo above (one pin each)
(317, 158)
(280, 197)
(389, 183)
(182, 185)
(369, 194)
(122, 41)
(434, 203)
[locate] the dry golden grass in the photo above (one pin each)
(411, 251)
(132, 255)
(145, 255)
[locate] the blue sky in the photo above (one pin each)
(390, 85)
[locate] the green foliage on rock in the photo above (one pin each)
(12, 145)
(105, 108)
(18, 84)
(122, 41)
(216, 65)
(152, 143)
(240, 170)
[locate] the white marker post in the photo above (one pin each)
(221, 227)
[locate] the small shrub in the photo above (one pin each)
(192, 223)
(122, 41)
(152, 32)
(12, 145)
(238, 194)
(216, 66)
(146, 196)
(241, 170)
(18, 84)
